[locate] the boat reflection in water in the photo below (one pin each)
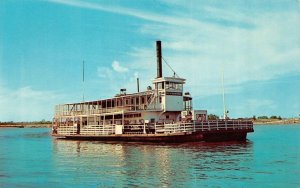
(138, 164)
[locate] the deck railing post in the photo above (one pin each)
(194, 126)
(103, 123)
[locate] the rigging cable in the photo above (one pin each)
(175, 74)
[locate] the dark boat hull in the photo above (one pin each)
(211, 136)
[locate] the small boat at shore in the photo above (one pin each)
(163, 113)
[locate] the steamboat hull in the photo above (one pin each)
(199, 136)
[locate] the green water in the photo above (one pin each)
(32, 158)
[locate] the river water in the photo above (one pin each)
(32, 158)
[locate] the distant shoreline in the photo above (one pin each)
(276, 121)
(26, 125)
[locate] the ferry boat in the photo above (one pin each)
(163, 113)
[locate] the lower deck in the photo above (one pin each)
(222, 130)
(173, 137)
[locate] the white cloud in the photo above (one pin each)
(124, 11)
(27, 104)
(118, 68)
(266, 51)
(108, 75)
(104, 72)
(198, 42)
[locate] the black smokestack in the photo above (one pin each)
(158, 56)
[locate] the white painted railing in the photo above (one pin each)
(204, 126)
(66, 130)
(164, 128)
(87, 130)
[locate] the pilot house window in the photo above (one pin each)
(160, 85)
(173, 85)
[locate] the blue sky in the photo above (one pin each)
(255, 43)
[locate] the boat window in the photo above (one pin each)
(160, 85)
(179, 86)
(172, 85)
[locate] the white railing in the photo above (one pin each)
(98, 130)
(204, 126)
(163, 128)
(87, 130)
(66, 130)
(90, 111)
(151, 106)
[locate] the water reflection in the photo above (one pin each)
(164, 165)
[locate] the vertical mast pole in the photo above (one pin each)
(223, 90)
(83, 81)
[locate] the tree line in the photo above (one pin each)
(25, 122)
(216, 117)
(266, 117)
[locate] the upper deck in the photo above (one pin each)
(166, 95)
(122, 102)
